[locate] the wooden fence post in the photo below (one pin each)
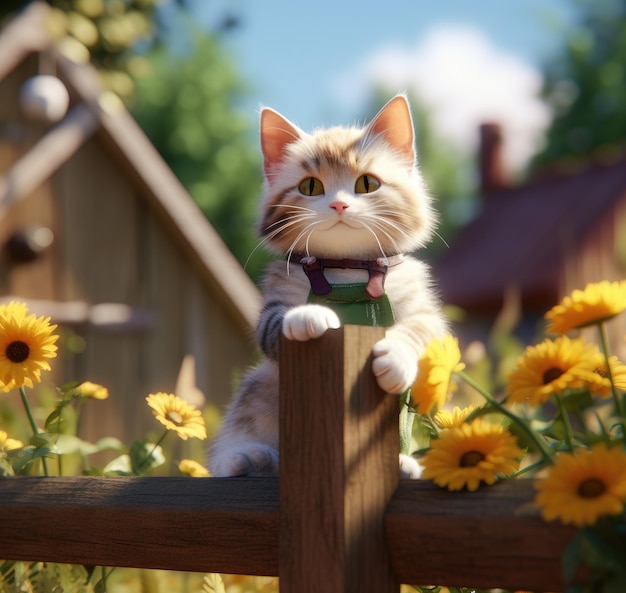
(339, 450)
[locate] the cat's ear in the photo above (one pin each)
(395, 124)
(276, 133)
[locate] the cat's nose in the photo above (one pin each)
(339, 206)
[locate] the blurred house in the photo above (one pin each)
(530, 245)
(96, 231)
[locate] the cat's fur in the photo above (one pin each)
(395, 218)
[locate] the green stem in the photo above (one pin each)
(567, 425)
(104, 579)
(33, 424)
(619, 408)
(619, 411)
(154, 448)
(29, 413)
(542, 446)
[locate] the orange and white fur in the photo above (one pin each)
(342, 192)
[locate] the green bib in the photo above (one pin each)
(354, 307)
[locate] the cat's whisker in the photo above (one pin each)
(440, 237)
(385, 226)
(383, 223)
(295, 241)
(290, 220)
(367, 227)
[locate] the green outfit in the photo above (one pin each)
(354, 307)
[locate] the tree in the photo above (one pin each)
(586, 86)
(187, 108)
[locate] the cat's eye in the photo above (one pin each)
(311, 186)
(366, 184)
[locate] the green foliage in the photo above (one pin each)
(586, 87)
(106, 30)
(187, 108)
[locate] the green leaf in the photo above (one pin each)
(66, 444)
(120, 466)
(145, 456)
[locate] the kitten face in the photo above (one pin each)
(344, 192)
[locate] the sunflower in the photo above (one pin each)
(177, 415)
(598, 382)
(440, 359)
(550, 368)
(471, 453)
(447, 419)
(7, 443)
(582, 486)
(26, 342)
(598, 302)
(193, 468)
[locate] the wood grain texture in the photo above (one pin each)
(338, 465)
(195, 524)
(493, 537)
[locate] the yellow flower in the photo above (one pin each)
(177, 415)
(618, 372)
(92, 390)
(598, 302)
(6, 443)
(440, 359)
(598, 382)
(471, 453)
(193, 468)
(447, 419)
(583, 486)
(551, 367)
(26, 342)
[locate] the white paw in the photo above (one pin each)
(251, 459)
(307, 322)
(409, 467)
(394, 365)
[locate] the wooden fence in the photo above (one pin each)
(337, 520)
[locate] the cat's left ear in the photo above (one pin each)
(276, 133)
(395, 124)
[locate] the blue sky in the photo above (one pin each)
(316, 61)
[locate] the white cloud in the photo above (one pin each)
(464, 80)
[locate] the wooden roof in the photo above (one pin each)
(521, 238)
(93, 112)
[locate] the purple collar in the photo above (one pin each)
(377, 268)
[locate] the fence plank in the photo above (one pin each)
(195, 524)
(490, 538)
(338, 466)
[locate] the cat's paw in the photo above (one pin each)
(394, 365)
(307, 322)
(252, 459)
(409, 467)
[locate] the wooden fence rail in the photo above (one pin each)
(337, 520)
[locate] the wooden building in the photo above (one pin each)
(532, 244)
(96, 231)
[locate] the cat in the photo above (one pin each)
(344, 206)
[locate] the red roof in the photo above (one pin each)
(521, 236)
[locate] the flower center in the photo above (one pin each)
(17, 351)
(471, 458)
(551, 375)
(591, 488)
(174, 417)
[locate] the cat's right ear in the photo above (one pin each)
(276, 133)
